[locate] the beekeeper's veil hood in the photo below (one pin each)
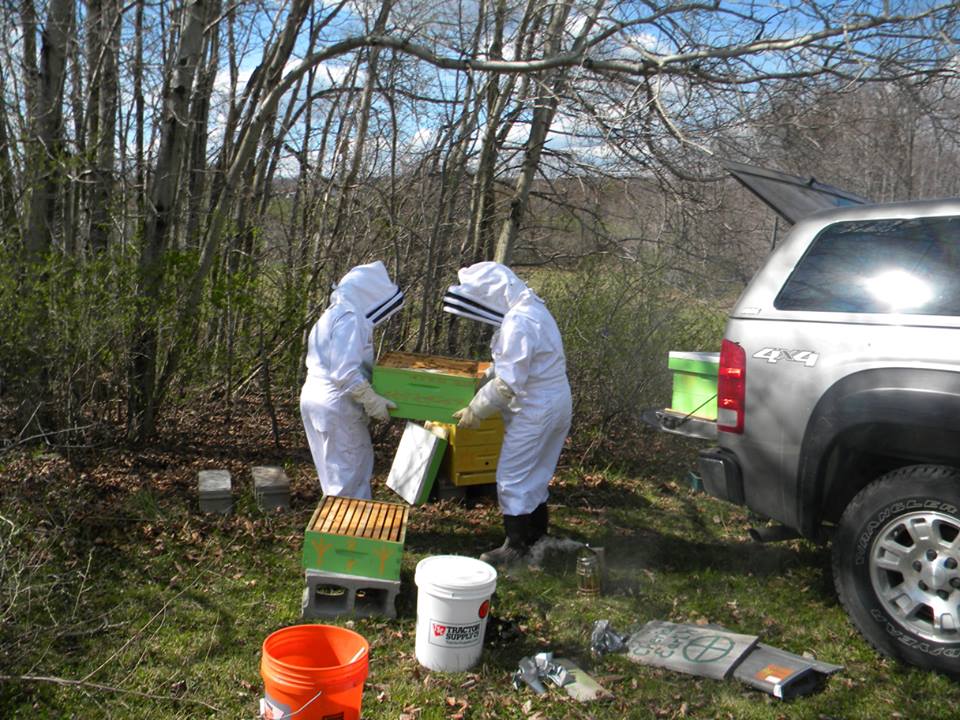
(487, 290)
(369, 289)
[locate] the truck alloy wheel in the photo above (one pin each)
(896, 565)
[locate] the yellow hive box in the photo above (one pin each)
(490, 433)
(472, 455)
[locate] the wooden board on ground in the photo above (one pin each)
(707, 651)
(582, 688)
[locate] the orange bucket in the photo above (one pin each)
(313, 672)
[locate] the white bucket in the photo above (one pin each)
(453, 601)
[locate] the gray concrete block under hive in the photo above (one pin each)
(333, 595)
(271, 487)
(215, 490)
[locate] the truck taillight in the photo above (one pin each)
(731, 387)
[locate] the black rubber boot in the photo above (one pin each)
(514, 548)
(539, 521)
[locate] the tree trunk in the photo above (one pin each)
(47, 131)
(139, 120)
(8, 190)
(104, 123)
(544, 109)
(197, 171)
(363, 112)
(250, 134)
(142, 401)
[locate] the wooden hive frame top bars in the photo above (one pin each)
(433, 363)
(361, 518)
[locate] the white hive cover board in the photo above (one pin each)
(415, 464)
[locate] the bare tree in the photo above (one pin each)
(143, 398)
(46, 122)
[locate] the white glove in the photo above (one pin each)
(489, 374)
(376, 406)
(466, 420)
(492, 398)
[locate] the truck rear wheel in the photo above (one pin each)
(896, 565)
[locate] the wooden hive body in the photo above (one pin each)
(472, 455)
(427, 387)
(694, 383)
(356, 537)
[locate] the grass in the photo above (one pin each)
(112, 578)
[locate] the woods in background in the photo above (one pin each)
(180, 182)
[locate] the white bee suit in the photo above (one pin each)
(340, 360)
(528, 358)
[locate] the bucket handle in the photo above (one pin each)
(309, 702)
(303, 707)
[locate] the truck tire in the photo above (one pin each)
(895, 565)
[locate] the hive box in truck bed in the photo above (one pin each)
(427, 387)
(356, 537)
(694, 383)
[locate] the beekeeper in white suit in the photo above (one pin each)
(528, 387)
(337, 399)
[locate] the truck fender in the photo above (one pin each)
(891, 398)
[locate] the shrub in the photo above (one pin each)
(619, 320)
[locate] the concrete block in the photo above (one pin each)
(271, 487)
(333, 595)
(215, 490)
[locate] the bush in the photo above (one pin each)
(63, 328)
(619, 320)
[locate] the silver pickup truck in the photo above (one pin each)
(838, 413)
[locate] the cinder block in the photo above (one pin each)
(271, 487)
(215, 490)
(333, 595)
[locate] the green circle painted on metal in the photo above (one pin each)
(707, 648)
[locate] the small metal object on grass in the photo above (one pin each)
(605, 640)
(528, 673)
(589, 572)
(561, 672)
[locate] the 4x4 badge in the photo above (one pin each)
(771, 355)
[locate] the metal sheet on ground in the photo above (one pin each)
(781, 673)
(697, 650)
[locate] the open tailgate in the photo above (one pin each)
(671, 421)
(693, 404)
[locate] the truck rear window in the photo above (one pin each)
(879, 266)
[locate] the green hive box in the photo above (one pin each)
(427, 387)
(695, 383)
(356, 537)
